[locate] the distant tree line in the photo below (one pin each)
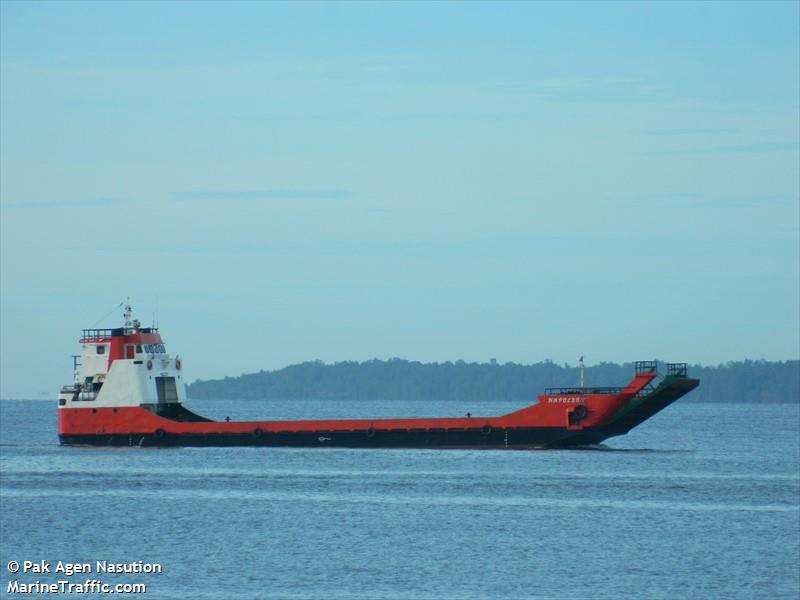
(397, 379)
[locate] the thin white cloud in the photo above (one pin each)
(261, 195)
(763, 148)
(63, 203)
(694, 131)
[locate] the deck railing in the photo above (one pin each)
(679, 369)
(646, 366)
(566, 391)
(88, 335)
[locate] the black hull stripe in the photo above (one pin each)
(497, 439)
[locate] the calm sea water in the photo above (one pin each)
(702, 501)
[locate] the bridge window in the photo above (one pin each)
(101, 349)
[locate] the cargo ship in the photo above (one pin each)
(129, 391)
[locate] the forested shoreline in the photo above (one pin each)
(755, 381)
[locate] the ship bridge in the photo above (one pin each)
(131, 358)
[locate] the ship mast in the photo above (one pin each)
(128, 312)
(131, 325)
(581, 364)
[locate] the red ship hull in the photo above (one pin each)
(561, 418)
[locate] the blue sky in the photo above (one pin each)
(434, 181)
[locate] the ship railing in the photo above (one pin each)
(567, 391)
(97, 334)
(646, 366)
(678, 369)
(89, 335)
(645, 391)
